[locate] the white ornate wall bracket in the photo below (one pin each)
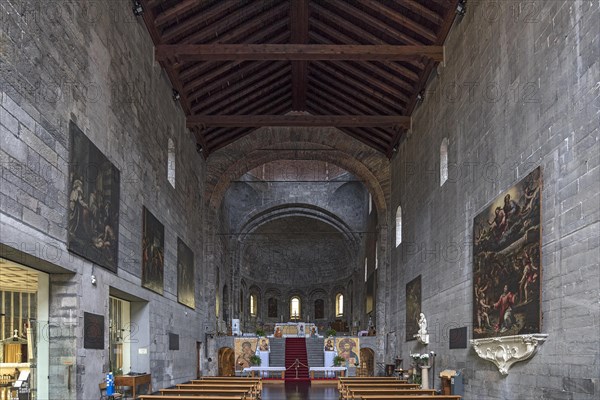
(504, 351)
(423, 339)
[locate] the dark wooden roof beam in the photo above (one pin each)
(299, 16)
(215, 12)
(241, 16)
(331, 108)
(343, 92)
(394, 104)
(290, 52)
(173, 13)
(347, 121)
(418, 8)
(246, 87)
(380, 8)
(375, 25)
(372, 80)
(259, 101)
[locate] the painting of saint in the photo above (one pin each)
(185, 275)
(153, 252)
(244, 349)
(507, 262)
(413, 308)
(93, 227)
(264, 344)
(348, 348)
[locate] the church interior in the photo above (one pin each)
(299, 199)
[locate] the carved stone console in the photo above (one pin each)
(504, 351)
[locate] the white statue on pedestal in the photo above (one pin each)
(422, 324)
(422, 335)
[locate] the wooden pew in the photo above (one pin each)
(228, 380)
(224, 391)
(176, 397)
(368, 380)
(410, 397)
(346, 387)
(359, 393)
(255, 388)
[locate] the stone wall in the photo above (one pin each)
(92, 63)
(519, 90)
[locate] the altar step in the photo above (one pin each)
(277, 354)
(295, 349)
(314, 352)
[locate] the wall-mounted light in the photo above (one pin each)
(137, 8)
(176, 95)
(461, 8)
(420, 96)
(93, 280)
(199, 148)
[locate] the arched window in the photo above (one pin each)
(319, 309)
(272, 307)
(295, 308)
(339, 305)
(398, 226)
(253, 305)
(171, 162)
(444, 161)
(366, 269)
(376, 258)
(370, 203)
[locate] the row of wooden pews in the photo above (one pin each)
(385, 388)
(212, 388)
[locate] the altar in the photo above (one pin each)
(295, 329)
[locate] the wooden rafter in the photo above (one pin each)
(299, 13)
(290, 52)
(347, 121)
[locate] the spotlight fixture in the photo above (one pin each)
(395, 149)
(199, 148)
(137, 8)
(461, 7)
(176, 95)
(420, 96)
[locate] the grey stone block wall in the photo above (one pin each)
(92, 62)
(519, 90)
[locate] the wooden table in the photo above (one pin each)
(134, 381)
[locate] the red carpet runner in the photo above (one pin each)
(295, 349)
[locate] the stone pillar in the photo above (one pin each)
(425, 376)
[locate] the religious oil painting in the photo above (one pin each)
(153, 252)
(244, 349)
(93, 228)
(348, 348)
(413, 307)
(507, 262)
(185, 275)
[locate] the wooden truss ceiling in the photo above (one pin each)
(357, 65)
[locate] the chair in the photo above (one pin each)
(104, 396)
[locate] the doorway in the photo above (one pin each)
(226, 362)
(367, 361)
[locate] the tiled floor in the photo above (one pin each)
(299, 391)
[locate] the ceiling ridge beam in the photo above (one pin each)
(299, 23)
(347, 121)
(291, 52)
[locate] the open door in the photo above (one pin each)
(226, 362)
(367, 361)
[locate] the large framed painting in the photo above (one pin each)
(348, 348)
(244, 349)
(507, 262)
(185, 275)
(93, 228)
(413, 307)
(153, 253)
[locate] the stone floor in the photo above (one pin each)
(299, 391)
